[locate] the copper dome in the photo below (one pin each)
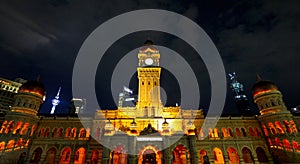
(33, 87)
(262, 86)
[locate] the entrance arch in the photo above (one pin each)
(218, 156)
(233, 156)
(50, 156)
(247, 155)
(261, 155)
(149, 155)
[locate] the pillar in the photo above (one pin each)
(167, 152)
(193, 149)
(106, 152)
(132, 154)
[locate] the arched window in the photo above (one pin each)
(50, 156)
(233, 156)
(224, 132)
(65, 156)
(19, 143)
(79, 156)
(247, 155)
(82, 133)
(17, 127)
(251, 132)
(46, 134)
(203, 157)
(277, 142)
(200, 133)
(2, 145)
(68, 132)
(88, 132)
(216, 133)
(55, 132)
(60, 132)
(3, 127)
(230, 132)
(41, 132)
(95, 157)
(256, 131)
(287, 145)
(36, 155)
(32, 129)
(218, 156)
(261, 155)
(293, 125)
(210, 133)
(10, 127)
(10, 144)
(272, 128)
(24, 129)
(296, 146)
(244, 132)
(279, 127)
(265, 130)
(73, 133)
(270, 142)
(238, 132)
(287, 126)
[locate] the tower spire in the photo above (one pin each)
(38, 77)
(258, 77)
(55, 101)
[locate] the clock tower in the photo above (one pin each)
(149, 80)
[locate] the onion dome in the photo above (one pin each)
(263, 86)
(35, 87)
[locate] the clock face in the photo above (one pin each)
(149, 61)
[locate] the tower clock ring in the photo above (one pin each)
(98, 42)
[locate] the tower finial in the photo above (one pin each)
(38, 77)
(258, 77)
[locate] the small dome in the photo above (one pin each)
(148, 44)
(261, 86)
(33, 87)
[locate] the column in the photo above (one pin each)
(105, 152)
(167, 153)
(132, 156)
(193, 149)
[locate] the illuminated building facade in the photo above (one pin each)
(26, 137)
(8, 89)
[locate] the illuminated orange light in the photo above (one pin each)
(261, 92)
(28, 91)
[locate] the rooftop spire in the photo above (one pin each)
(258, 77)
(38, 77)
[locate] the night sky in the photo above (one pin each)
(253, 37)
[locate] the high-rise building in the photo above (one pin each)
(149, 133)
(240, 98)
